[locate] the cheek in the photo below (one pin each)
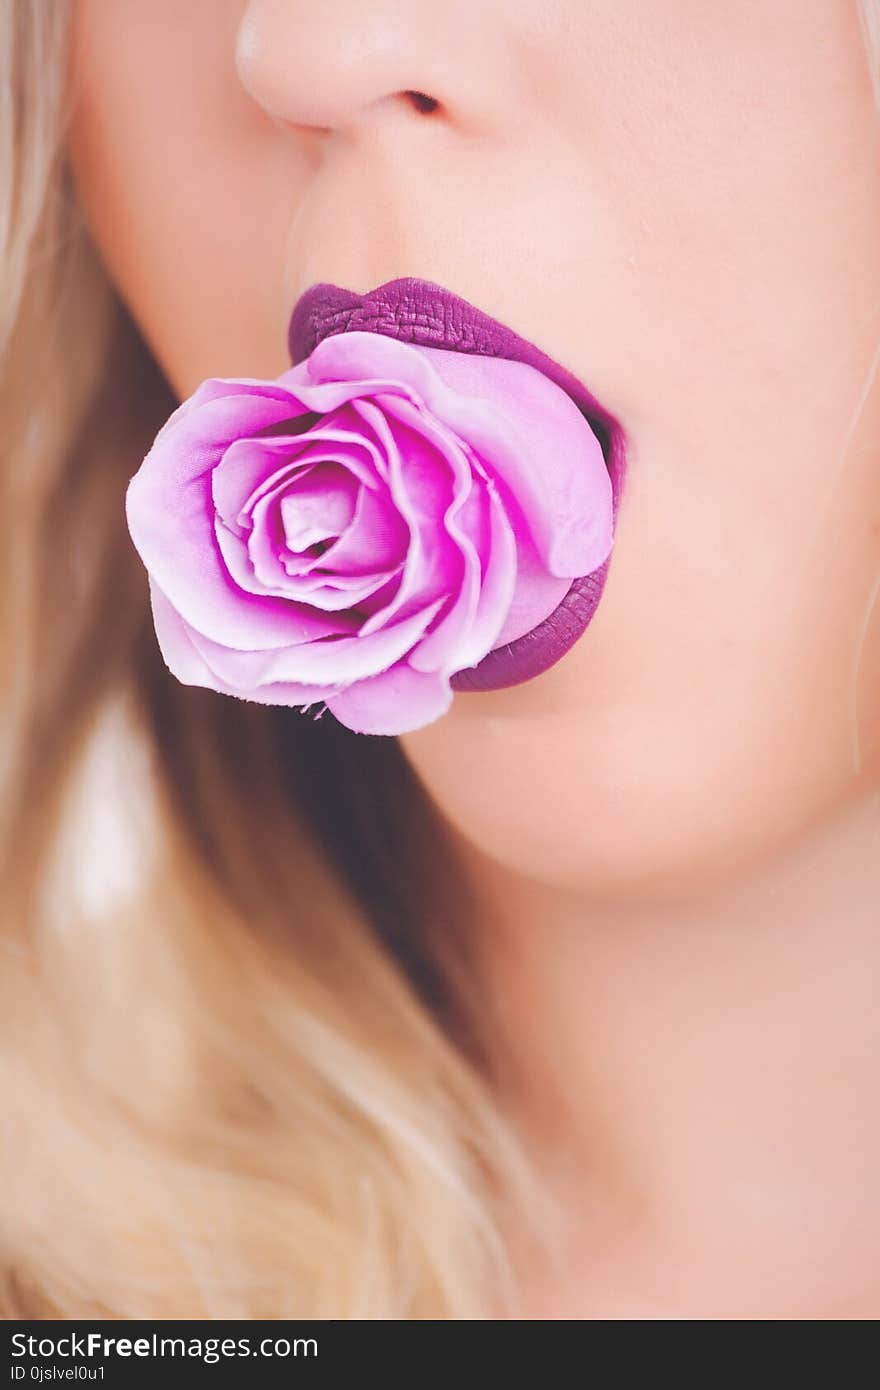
(727, 693)
(186, 186)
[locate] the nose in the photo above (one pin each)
(335, 64)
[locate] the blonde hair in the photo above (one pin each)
(245, 1078)
(239, 1072)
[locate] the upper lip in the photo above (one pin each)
(429, 315)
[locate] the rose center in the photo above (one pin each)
(317, 509)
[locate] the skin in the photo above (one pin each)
(672, 835)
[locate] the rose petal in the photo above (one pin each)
(235, 388)
(307, 590)
(456, 649)
(395, 702)
(331, 662)
(446, 646)
(524, 428)
(306, 583)
(319, 508)
(536, 594)
(326, 395)
(220, 411)
(187, 665)
(247, 465)
(423, 482)
(374, 543)
(530, 592)
(170, 515)
(251, 468)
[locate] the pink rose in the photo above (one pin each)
(357, 531)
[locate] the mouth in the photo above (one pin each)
(428, 315)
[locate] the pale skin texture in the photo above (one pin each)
(674, 834)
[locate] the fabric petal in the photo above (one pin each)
(536, 593)
(215, 388)
(395, 702)
(425, 471)
(170, 515)
(189, 667)
(376, 540)
(319, 508)
(308, 593)
(331, 662)
(485, 629)
(526, 430)
(251, 467)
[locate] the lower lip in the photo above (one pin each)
(420, 312)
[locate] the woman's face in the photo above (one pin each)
(680, 201)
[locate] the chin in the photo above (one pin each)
(600, 804)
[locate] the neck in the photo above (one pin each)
(703, 1080)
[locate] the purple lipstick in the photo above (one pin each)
(417, 311)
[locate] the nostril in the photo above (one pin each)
(422, 102)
